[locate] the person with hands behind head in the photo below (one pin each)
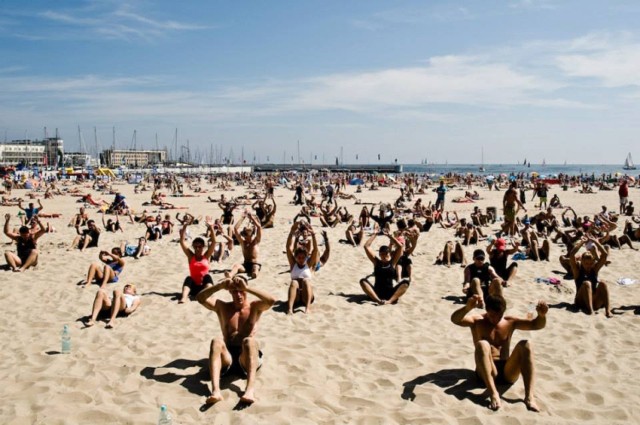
(383, 291)
(26, 245)
(199, 277)
(492, 332)
(591, 293)
(107, 273)
(238, 351)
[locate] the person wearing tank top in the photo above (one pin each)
(27, 252)
(591, 293)
(199, 277)
(383, 291)
(480, 278)
(302, 264)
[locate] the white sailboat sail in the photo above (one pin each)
(628, 163)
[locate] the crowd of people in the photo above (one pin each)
(500, 242)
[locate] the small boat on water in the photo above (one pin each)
(628, 163)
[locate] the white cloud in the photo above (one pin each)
(395, 93)
(450, 79)
(534, 4)
(114, 21)
(411, 16)
(614, 61)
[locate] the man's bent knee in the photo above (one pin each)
(526, 346)
(217, 345)
(483, 347)
(248, 343)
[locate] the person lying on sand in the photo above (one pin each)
(238, 351)
(492, 332)
(123, 302)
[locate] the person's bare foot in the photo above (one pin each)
(111, 324)
(182, 300)
(248, 397)
(214, 398)
(307, 310)
(495, 402)
(90, 323)
(289, 312)
(227, 274)
(608, 314)
(18, 270)
(531, 404)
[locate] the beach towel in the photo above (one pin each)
(519, 256)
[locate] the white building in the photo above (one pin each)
(42, 152)
(133, 158)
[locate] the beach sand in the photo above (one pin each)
(348, 362)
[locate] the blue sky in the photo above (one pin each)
(410, 80)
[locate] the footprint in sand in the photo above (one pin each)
(594, 399)
(386, 366)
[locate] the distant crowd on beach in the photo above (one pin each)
(530, 226)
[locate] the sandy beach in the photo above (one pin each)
(348, 362)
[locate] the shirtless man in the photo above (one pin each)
(249, 241)
(509, 202)
(492, 332)
(238, 348)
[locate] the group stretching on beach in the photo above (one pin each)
(492, 247)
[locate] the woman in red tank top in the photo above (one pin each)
(199, 277)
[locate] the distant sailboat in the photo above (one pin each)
(628, 163)
(482, 169)
(544, 162)
(524, 162)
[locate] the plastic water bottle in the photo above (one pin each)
(165, 417)
(531, 308)
(66, 340)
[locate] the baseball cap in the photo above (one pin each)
(478, 253)
(500, 244)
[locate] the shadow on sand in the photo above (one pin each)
(195, 382)
(455, 382)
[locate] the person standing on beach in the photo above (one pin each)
(492, 332)
(541, 192)
(238, 350)
(440, 191)
(623, 193)
(509, 203)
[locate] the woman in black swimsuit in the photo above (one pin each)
(383, 291)
(591, 293)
